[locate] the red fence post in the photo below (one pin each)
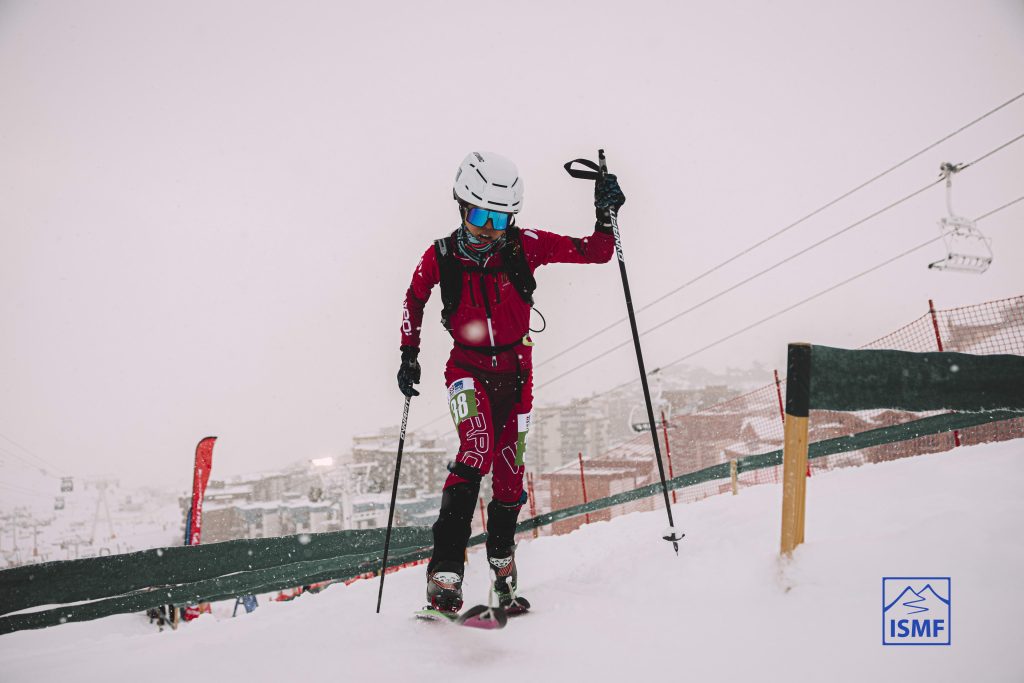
(583, 485)
(668, 453)
(935, 323)
(938, 342)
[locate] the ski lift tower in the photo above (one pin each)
(101, 501)
(967, 250)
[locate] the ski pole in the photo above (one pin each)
(599, 171)
(394, 496)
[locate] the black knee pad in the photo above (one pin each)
(452, 528)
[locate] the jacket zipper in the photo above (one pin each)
(490, 327)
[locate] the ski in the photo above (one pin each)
(480, 616)
(484, 617)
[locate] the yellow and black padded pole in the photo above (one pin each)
(794, 458)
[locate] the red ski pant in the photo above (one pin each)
(492, 415)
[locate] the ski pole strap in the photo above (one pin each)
(592, 174)
(596, 170)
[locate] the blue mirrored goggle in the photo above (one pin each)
(478, 217)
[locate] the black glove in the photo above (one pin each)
(409, 373)
(607, 193)
(607, 196)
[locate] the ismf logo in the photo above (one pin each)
(915, 610)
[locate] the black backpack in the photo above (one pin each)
(514, 264)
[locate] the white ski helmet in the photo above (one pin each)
(490, 181)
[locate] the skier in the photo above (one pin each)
(485, 269)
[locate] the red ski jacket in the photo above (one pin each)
(482, 292)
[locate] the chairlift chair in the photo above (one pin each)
(967, 249)
(58, 503)
(635, 425)
(658, 403)
(67, 484)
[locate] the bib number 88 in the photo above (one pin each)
(463, 405)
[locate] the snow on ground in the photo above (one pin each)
(613, 603)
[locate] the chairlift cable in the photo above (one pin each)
(1004, 206)
(776, 265)
(988, 154)
(739, 284)
(25, 462)
(751, 326)
(799, 221)
(798, 304)
(25, 489)
(30, 453)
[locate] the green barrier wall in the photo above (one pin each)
(842, 379)
(101, 577)
(135, 582)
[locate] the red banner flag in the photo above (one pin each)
(201, 475)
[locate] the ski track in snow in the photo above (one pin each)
(613, 602)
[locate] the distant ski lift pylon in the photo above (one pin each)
(967, 249)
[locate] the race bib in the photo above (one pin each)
(462, 399)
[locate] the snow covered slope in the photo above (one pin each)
(613, 603)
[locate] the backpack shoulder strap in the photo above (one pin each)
(518, 268)
(451, 278)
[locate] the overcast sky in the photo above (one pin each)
(210, 211)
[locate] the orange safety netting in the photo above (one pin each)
(753, 423)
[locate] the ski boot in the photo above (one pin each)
(444, 591)
(503, 564)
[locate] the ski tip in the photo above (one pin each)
(517, 607)
(484, 617)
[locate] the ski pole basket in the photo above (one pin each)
(967, 249)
